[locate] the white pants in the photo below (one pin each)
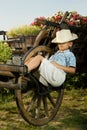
(50, 74)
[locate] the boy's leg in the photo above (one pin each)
(34, 62)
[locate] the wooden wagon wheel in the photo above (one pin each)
(38, 107)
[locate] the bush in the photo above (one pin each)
(76, 81)
(5, 52)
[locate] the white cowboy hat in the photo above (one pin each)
(63, 36)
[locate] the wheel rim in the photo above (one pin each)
(39, 109)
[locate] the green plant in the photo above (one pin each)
(24, 30)
(5, 52)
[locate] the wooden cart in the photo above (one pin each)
(39, 104)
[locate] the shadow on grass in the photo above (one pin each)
(74, 120)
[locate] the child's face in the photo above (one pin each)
(65, 46)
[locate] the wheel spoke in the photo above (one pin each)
(26, 94)
(37, 112)
(51, 100)
(45, 106)
(31, 104)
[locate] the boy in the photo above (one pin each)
(54, 69)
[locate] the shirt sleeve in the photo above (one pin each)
(72, 60)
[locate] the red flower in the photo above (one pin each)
(58, 17)
(73, 19)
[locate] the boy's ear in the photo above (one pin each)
(71, 43)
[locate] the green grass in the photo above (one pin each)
(72, 114)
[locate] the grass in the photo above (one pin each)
(72, 114)
(23, 30)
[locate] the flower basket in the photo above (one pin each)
(17, 42)
(29, 40)
(22, 37)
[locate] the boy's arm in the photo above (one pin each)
(64, 68)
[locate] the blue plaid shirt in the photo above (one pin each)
(65, 58)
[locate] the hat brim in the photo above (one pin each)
(74, 37)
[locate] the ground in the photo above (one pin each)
(72, 114)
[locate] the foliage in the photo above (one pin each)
(5, 52)
(24, 30)
(73, 18)
(76, 81)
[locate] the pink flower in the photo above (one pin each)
(33, 23)
(58, 17)
(42, 18)
(72, 22)
(75, 16)
(72, 19)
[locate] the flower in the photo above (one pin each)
(36, 23)
(73, 18)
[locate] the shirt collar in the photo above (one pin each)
(64, 50)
